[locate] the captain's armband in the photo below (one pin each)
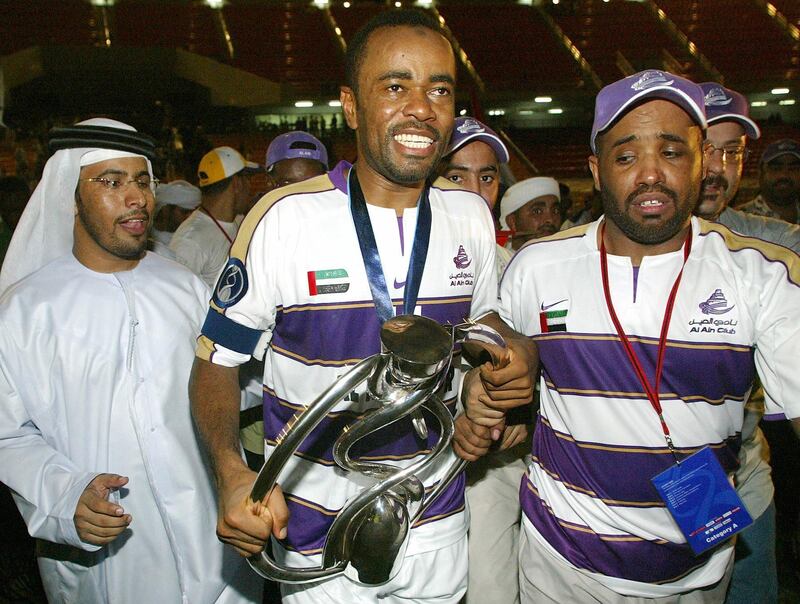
(229, 334)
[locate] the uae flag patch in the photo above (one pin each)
(331, 281)
(553, 320)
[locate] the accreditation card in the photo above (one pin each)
(702, 501)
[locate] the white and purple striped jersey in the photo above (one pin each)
(296, 274)
(598, 442)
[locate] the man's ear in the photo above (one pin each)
(348, 99)
(594, 166)
(511, 221)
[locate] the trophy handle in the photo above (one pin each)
(288, 442)
(475, 334)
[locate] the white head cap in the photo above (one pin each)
(524, 191)
(178, 193)
(44, 232)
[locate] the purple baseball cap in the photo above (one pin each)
(294, 145)
(468, 129)
(615, 99)
(784, 146)
(726, 105)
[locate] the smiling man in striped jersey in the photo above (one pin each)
(315, 270)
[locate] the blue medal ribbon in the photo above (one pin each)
(372, 259)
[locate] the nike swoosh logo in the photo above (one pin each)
(553, 304)
(399, 285)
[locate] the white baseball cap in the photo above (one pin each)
(221, 163)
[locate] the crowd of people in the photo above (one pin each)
(158, 338)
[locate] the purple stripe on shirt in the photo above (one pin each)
(693, 374)
(332, 335)
(395, 440)
(309, 522)
(450, 501)
(635, 560)
(618, 476)
(635, 282)
(307, 527)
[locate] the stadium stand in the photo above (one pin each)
(191, 26)
(602, 32)
(289, 43)
(23, 25)
(714, 27)
(505, 60)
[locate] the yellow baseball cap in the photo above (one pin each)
(221, 163)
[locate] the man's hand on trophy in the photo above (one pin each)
(471, 440)
(246, 524)
(512, 384)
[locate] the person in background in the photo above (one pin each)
(729, 129)
(294, 157)
(175, 201)
(591, 211)
(779, 179)
(473, 162)
(531, 209)
(202, 241)
(754, 576)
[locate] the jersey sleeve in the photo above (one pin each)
(519, 300)
(484, 295)
(244, 301)
(777, 345)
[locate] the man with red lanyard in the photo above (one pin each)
(650, 326)
(203, 240)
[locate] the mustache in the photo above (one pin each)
(135, 215)
(658, 188)
(716, 180)
(415, 125)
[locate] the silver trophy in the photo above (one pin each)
(369, 535)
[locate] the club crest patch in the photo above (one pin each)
(716, 304)
(469, 126)
(650, 78)
(717, 97)
(232, 284)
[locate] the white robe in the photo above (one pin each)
(93, 378)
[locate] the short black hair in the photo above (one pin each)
(390, 18)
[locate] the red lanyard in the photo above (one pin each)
(650, 390)
(219, 226)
